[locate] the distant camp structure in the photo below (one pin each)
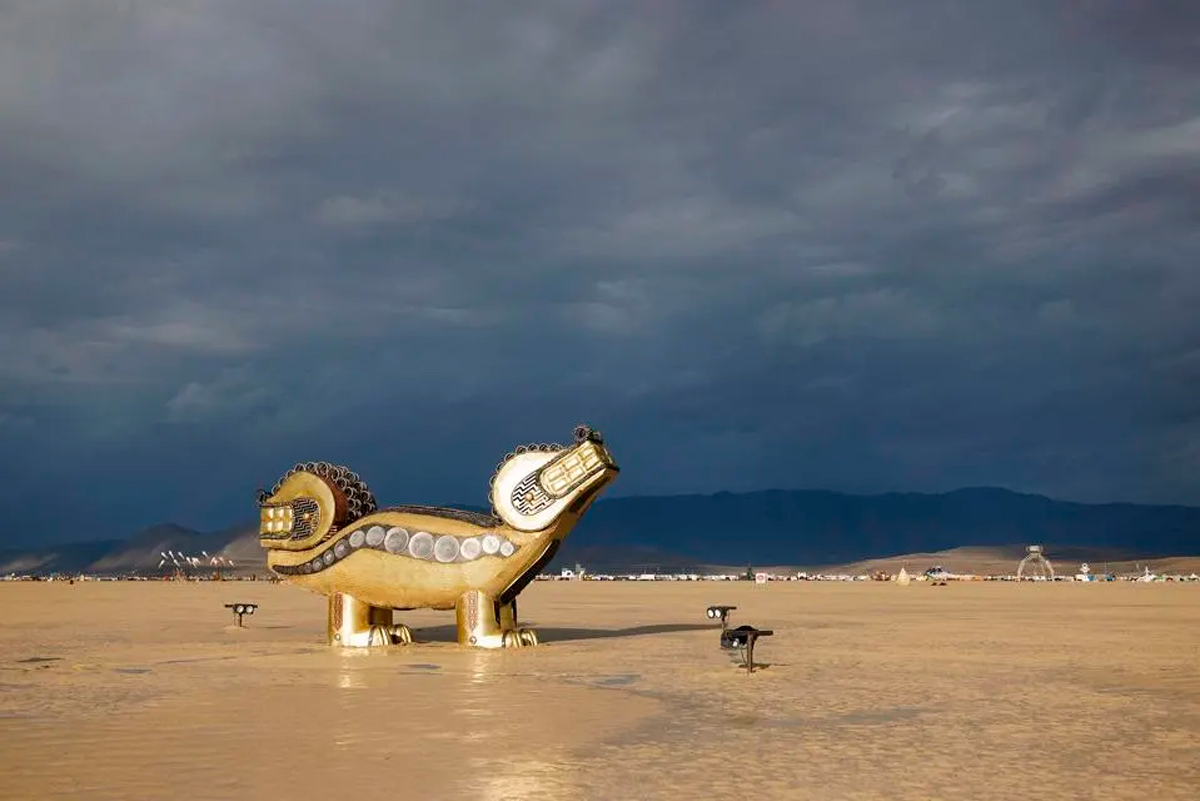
(186, 565)
(937, 576)
(1035, 562)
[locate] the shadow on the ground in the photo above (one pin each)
(547, 635)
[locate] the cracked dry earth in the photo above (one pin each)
(867, 691)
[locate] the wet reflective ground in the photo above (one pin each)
(866, 691)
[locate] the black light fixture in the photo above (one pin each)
(721, 613)
(241, 609)
(742, 639)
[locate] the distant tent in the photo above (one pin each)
(902, 578)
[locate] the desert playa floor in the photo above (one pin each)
(969, 691)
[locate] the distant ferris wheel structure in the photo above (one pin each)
(1037, 563)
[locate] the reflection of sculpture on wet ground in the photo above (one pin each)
(323, 531)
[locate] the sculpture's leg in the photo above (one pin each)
(484, 623)
(355, 624)
(508, 615)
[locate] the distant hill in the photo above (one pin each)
(802, 528)
(139, 553)
(813, 527)
(1002, 560)
(71, 557)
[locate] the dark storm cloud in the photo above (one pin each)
(860, 245)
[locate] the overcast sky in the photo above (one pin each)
(865, 246)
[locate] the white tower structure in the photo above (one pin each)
(1037, 561)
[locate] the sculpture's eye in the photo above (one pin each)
(307, 516)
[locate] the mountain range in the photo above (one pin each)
(795, 528)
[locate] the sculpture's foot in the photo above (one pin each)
(484, 623)
(354, 624)
(519, 638)
(369, 637)
(513, 638)
(514, 635)
(375, 636)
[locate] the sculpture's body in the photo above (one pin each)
(322, 531)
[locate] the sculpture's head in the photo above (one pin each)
(309, 504)
(537, 485)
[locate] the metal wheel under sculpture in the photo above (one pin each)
(1035, 559)
(323, 531)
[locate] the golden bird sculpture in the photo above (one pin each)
(323, 531)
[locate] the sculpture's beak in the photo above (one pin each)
(580, 465)
(583, 471)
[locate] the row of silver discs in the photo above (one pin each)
(423, 545)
